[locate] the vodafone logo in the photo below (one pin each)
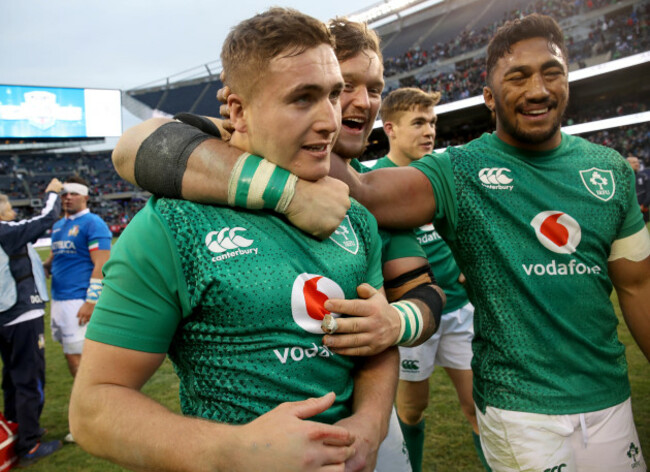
(309, 293)
(557, 231)
(495, 178)
(225, 239)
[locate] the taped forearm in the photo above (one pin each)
(161, 159)
(419, 304)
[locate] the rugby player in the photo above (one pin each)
(235, 297)
(409, 121)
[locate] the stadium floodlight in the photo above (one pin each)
(386, 8)
(617, 122)
(610, 66)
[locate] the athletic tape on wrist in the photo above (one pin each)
(94, 291)
(256, 183)
(162, 158)
(411, 322)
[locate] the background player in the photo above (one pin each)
(238, 361)
(81, 244)
(409, 122)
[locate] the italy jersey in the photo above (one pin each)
(440, 258)
(236, 300)
(73, 239)
(532, 232)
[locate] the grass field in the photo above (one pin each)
(448, 445)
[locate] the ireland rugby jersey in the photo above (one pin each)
(440, 258)
(532, 232)
(236, 299)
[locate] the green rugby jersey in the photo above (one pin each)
(532, 232)
(440, 258)
(236, 300)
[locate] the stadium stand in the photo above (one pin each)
(441, 47)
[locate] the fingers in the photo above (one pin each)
(222, 94)
(355, 307)
(312, 406)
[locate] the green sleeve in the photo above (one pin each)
(374, 274)
(400, 244)
(437, 168)
(145, 294)
(633, 222)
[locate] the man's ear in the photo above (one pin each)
(488, 98)
(237, 112)
(389, 129)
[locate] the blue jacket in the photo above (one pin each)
(22, 280)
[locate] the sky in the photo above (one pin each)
(124, 44)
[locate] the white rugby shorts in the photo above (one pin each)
(65, 325)
(598, 441)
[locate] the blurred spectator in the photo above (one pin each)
(23, 294)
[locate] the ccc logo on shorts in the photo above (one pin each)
(410, 364)
(309, 293)
(557, 468)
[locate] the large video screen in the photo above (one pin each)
(50, 112)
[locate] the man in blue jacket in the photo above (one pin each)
(23, 294)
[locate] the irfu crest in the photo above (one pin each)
(345, 236)
(599, 182)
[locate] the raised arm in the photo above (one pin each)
(398, 197)
(111, 418)
(168, 165)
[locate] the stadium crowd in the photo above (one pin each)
(621, 35)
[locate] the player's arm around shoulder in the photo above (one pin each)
(127, 146)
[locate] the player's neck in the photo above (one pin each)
(398, 158)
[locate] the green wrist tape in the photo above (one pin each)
(256, 183)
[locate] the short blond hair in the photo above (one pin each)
(406, 99)
(252, 44)
(4, 203)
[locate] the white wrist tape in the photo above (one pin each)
(94, 291)
(411, 322)
(256, 183)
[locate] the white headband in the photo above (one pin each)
(79, 189)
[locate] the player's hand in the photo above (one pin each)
(318, 207)
(224, 111)
(372, 325)
(55, 185)
(462, 279)
(366, 443)
(281, 440)
(85, 312)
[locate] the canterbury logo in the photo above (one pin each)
(410, 364)
(494, 176)
(226, 239)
